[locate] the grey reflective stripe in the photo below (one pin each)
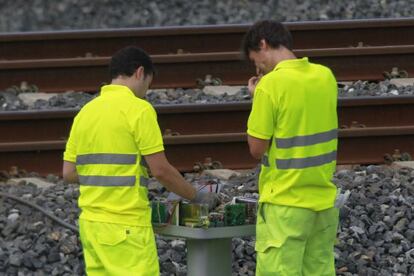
(265, 161)
(307, 140)
(95, 180)
(143, 162)
(301, 163)
(143, 181)
(106, 158)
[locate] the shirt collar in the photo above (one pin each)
(292, 63)
(110, 89)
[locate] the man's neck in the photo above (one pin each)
(282, 54)
(123, 82)
(120, 81)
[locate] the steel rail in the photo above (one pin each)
(88, 74)
(191, 119)
(196, 39)
(356, 146)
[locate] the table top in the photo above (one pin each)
(205, 233)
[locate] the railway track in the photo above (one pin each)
(373, 127)
(183, 70)
(356, 146)
(225, 38)
(35, 139)
(198, 118)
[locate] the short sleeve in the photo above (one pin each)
(148, 134)
(260, 123)
(70, 151)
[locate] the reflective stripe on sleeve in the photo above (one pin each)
(301, 163)
(306, 140)
(95, 180)
(106, 158)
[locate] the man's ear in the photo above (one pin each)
(263, 44)
(140, 73)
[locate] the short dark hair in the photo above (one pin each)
(273, 32)
(127, 60)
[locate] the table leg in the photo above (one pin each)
(209, 257)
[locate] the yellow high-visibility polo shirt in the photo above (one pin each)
(107, 142)
(294, 106)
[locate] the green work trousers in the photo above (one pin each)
(113, 249)
(293, 241)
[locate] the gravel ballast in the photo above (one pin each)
(375, 237)
(19, 15)
(12, 100)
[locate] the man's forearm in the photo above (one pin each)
(258, 147)
(71, 178)
(70, 175)
(162, 170)
(174, 182)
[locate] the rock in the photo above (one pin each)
(403, 164)
(13, 217)
(52, 178)
(176, 256)
(223, 174)
(29, 99)
(15, 259)
(210, 94)
(163, 257)
(40, 183)
(63, 15)
(375, 235)
(222, 90)
(178, 245)
(250, 250)
(401, 82)
(239, 251)
(401, 225)
(161, 244)
(359, 180)
(9, 101)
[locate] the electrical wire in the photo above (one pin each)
(42, 210)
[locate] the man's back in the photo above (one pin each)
(110, 135)
(112, 140)
(302, 155)
(306, 99)
(293, 128)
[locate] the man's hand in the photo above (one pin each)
(252, 84)
(211, 199)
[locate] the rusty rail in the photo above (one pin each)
(35, 140)
(88, 74)
(45, 125)
(356, 146)
(196, 39)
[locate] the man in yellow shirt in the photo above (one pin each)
(113, 140)
(292, 128)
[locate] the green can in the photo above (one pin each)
(235, 214)
(158, 212)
